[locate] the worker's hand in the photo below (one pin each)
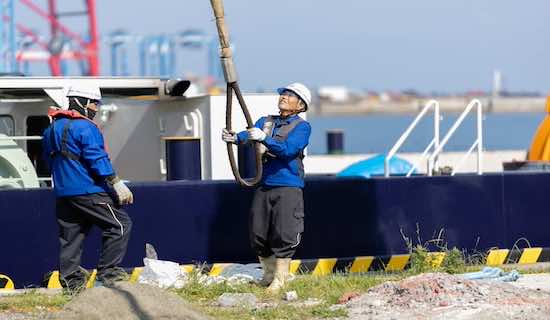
(256, 134)
(123, 194)
(229, 136)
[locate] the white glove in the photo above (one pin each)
(229, 136)
(256, 134)
(122, 192)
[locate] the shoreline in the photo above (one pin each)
(414, 105)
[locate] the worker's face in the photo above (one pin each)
(289, 102)
(92, 107)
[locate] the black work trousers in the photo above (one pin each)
(276, 221)
(75, 217)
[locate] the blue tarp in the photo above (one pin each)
(374, 166)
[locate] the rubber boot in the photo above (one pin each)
(76, 282)
(282, 268)
(268, 265)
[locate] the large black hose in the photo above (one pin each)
(230, 75)
(229, 105)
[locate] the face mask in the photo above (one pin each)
(91, 113)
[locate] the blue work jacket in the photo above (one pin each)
(86, 174)
(283, 170)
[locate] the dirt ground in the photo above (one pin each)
(127, 302)
(438, 296)
(434, 296)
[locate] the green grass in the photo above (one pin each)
(327, 289)
(32, 301)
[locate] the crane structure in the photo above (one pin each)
(7, 37)
(63, 43)
(158, 55)
(60, 42)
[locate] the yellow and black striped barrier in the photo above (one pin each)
(519, 256)
(326, 266)
(6, 283)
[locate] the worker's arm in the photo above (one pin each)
(242, 137)
(296, 141)
(93, 152)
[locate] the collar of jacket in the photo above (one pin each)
(286, 120)
(73, 114)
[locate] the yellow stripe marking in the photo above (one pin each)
(497, 257)
(91, 281)
(324, 267)
(187, 268)
(361, 264)
(294, 265)
(53, 282)
(530, 255)
(9, 285)
(135, 274)
(217, 268)
(397, 262)
(436, 258)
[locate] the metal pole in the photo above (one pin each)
(124, 60)
(11, 14)
(479, 139)
(114, 62)
(92, 47)
(172, 64)
(436, 134)
(2, 41)
(143, 56)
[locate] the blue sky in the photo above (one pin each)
(429, 45)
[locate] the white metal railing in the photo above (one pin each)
(21, 138)
(433, 143)
(478, 143)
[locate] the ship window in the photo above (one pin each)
(7, 126)
(35, 127)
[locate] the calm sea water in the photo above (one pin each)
(377, 133)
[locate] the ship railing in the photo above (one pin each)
(478, 143)
(21, 138)
(434, 143)
(49, 179)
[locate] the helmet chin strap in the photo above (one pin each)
(83, 107)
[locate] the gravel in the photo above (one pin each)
(443, 296)
(127, 302)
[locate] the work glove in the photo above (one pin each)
(256, 134)
(123, 194)
(229, 136)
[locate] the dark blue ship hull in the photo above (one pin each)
(207, 221)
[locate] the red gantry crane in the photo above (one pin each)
(64, 43)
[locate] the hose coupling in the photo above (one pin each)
(229, 71)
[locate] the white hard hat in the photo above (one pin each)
(299, 89)
(89, 92)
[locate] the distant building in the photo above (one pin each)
(334, 93)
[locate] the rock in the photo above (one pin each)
(237, 299)
(335, 307)
(348, 296)
(291, 296)
(311, 302)
(376, 303)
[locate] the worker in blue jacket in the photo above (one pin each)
(277, 213)
(85, 184)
